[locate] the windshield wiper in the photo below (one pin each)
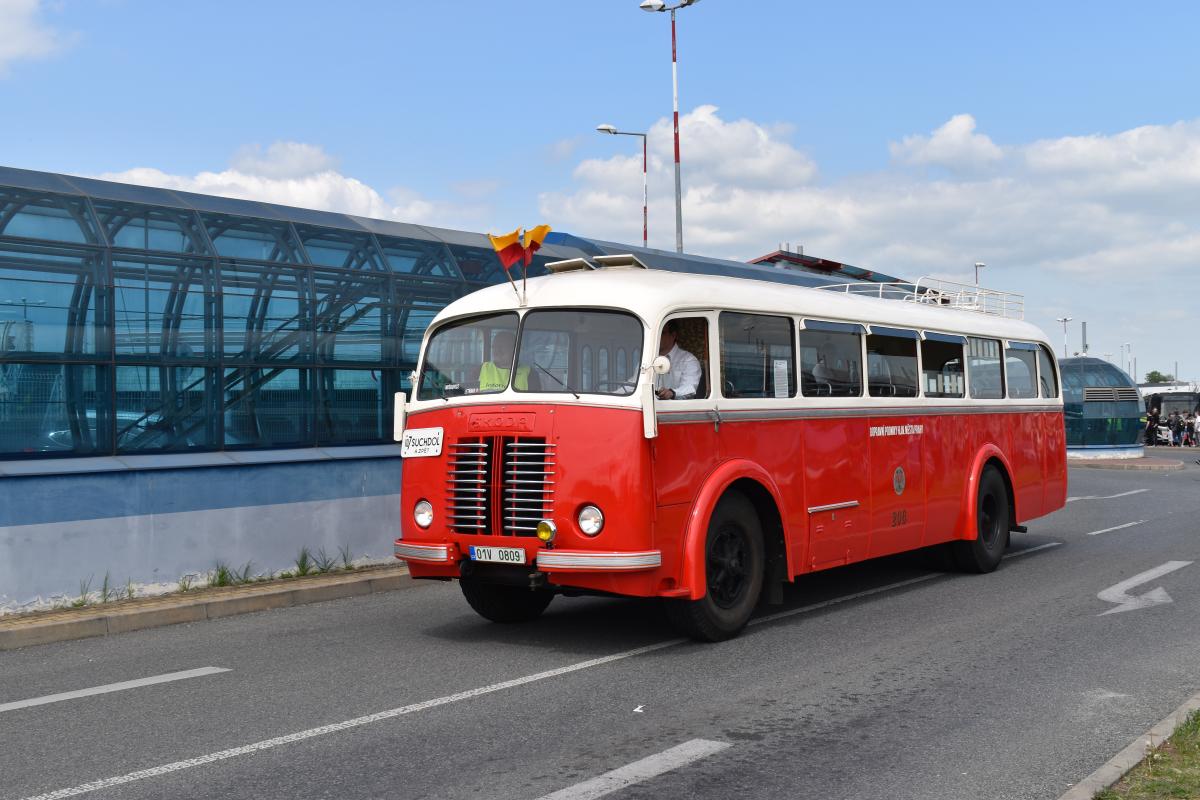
(556, 380)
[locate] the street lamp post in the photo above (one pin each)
(659, 5)
(1064, 321)
(978, 266)
(1127, 351)
(606, 128)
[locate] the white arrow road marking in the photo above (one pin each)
(638, 771)
(1119, 594)
(112, 687)
(638, 710)
(1117, 527)
(1106, 496)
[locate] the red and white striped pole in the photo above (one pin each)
(675, 98)
(645, 198)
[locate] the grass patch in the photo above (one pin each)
(1168, 772)
(304, 563)
(221, 575)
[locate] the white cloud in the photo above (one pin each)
(304, 175)
(23, 35)
(954, 145)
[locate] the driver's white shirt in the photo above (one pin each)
(684, 376)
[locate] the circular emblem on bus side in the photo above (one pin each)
(898, 480)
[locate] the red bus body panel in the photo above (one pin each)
(848, 484)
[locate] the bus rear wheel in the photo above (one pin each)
(993, 517)
(505, 604)
(734, 564)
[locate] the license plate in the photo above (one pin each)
(500, 555)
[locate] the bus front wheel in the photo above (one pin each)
(734, 564)
(992, 515)
(506, 604)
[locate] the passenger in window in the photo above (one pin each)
(822, 374)
(493, 375)
(684, 376)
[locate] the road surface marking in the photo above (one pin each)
(638, 771)
(1117, 527)
(357, 722)
(1107, 496)
(1119, 593)
(112, 687)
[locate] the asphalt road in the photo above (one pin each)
(882, 680)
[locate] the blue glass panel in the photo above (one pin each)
(418, 257)
(164, 308)
(267, 407)
(350, 321)
(338, 248)
(53, 409)
(478, 264)
(46, 216)
(266, 312)
(256, 239)
(165, 408)
(148, 228)
(52, 302)
(353, 407)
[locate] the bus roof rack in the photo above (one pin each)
(570, 265)
(625, 260)
(941, 293)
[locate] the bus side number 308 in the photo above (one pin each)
(899, 518)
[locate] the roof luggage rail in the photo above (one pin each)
(941, 293)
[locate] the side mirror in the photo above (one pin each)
(400, 401)
(661, 365)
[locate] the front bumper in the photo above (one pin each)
(547, 560)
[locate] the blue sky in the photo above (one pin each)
(1057, 142)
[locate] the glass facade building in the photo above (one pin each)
(139, 320)
(1101, 405)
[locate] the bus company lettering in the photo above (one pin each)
(483, 423)
(421, 443)
(897, 430)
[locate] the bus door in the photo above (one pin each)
(836, 457)
(897, 479)
(686, 448)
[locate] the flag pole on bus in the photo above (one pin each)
(513, 247)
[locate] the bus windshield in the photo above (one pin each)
(560, 351)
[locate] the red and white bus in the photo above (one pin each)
(827, 427)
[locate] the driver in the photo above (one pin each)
(680, 382)
(492, 376)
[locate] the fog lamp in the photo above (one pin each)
(591, 520)
(423, 513)
(546, 530)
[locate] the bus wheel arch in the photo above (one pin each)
(988, 456)
(991, 516)
(753, 483)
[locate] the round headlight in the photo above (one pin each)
(591, 520)
(423, 513)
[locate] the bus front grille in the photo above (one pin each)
(499, 484)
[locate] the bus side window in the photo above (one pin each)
(892, 364)
(942, 366)
(1021, 367)
(757, 358)
(1046, 377)
(983, 366)
(830, 363)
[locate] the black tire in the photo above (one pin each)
(734, 565)
(993, 517)
(505, 604)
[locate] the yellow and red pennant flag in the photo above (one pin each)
(508, 247)
(533, 241)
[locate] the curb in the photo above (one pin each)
(1148, 464)
(1132, 755)
(83, 623)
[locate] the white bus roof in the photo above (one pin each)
(652, 294)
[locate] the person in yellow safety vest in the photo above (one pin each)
(494, 378)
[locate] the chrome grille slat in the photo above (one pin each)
(528, 485)
(525, 493)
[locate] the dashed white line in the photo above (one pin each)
(1117, 527)
(1106, 496)
(112, 687)
(638, 771)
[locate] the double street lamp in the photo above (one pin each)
(1064, 321)
(659, 5)
(606, 128)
